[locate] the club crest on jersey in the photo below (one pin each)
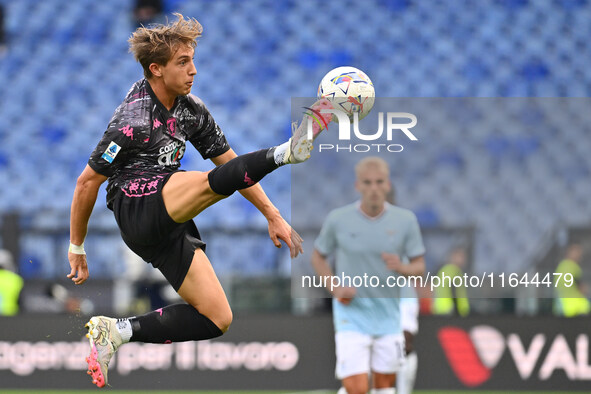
(171, 126)
(111, 152)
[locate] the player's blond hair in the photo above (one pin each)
(158, 44)
(372, 161)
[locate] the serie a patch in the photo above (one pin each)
(111, 152)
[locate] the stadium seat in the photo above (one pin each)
(491, 170)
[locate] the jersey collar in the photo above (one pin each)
(159, 104)
(358, 204)
(165, 112)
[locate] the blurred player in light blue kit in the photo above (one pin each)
(370, 237)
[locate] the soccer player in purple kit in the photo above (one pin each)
(154, 202)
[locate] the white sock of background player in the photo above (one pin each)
(405, 379)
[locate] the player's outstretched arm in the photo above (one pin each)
(279, 229)
(83, 202)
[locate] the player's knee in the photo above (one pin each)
(220, 183)
(223, 320)
(357, 388)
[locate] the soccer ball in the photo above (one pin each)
(348, 89)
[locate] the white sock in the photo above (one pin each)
(280, 154)
(124, 328)
(405, 379)
(342, 391)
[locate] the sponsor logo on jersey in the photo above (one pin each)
(171, 153)
(111, 152)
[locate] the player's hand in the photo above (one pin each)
(296, 244)
(79, 272)
(280, 230)
(392, 261)
(344, 295)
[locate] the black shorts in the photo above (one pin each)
(151, 233)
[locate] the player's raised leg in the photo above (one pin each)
(186, 194)
(299, 146)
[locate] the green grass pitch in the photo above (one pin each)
(258, 392)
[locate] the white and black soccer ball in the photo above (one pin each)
(349, 90)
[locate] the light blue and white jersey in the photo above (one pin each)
(357, 242)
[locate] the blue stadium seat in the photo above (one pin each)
(53, 68)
